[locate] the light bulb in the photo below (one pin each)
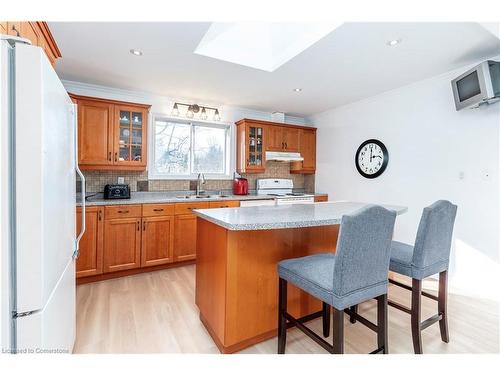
(216, 115)
(203, 114)
(189, 112)
(175, 110)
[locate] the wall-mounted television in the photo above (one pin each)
(477, 86)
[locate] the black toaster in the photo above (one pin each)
(117, 191)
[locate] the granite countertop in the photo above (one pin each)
(285, 216)
(167, 197)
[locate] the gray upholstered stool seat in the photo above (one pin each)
(402, 262)
(314, 275)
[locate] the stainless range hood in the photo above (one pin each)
(283, 156)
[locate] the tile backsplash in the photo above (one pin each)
(138, 181)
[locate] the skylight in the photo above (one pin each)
(261, 45)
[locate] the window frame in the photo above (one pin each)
(230, 149)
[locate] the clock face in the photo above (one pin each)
(371, 158)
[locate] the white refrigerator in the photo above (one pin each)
(37, 201)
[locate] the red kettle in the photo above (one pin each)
(240, 186)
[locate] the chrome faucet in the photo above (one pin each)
(201, 181)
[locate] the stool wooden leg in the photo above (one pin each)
(354, 309)
(442, 302)
(282, 305)
(338, 331)
(382, 324)
(416, 292)
(326, 319)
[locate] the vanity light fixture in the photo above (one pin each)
(136, 52)
(394, 42)
(193, 109)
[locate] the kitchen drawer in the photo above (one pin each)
(157, 209)
(186, 208)
(223, 204)
(122, 211)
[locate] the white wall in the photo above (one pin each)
(430, 144)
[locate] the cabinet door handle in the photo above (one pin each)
(123, 212)
(144, 225)
(138, 226)
(109, 156)
(158, 209)
(286, 145)
(100, 215)
(116, 156)
(282, 144)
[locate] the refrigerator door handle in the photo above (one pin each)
(82, 186)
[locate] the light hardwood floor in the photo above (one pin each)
(155, 313)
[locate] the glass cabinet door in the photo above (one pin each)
(131, 136)
(255, 147)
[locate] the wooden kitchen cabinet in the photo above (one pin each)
(307, 149)
(250, 153)
(122, 244)
(90, 259)
(130, 135)
(95, 133)
(224, 204)
(37, 32)
(185, 237)
(276, 137)
(112, 135)
(157, 240)
(282, 138)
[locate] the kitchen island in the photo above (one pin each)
(238, 250)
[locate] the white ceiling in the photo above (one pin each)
(351, 63)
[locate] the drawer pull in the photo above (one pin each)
(123, 212)
(158, 209)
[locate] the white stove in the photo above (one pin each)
(282, 191)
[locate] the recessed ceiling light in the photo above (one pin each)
(136, 52)
(394, 42)
(298, 89)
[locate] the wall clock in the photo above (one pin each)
(371, 158)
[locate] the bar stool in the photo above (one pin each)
(357, 272)
(430, 255)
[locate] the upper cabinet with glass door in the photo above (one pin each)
(112, 135)
(255, 137)
(130, 137)
(250, 150)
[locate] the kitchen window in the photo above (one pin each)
(182, 149)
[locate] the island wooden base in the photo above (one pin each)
(237, 280)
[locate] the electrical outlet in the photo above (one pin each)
(121, 180)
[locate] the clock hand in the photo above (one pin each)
(371, 155)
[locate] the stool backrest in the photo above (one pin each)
(433, 241)
(363, 249)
